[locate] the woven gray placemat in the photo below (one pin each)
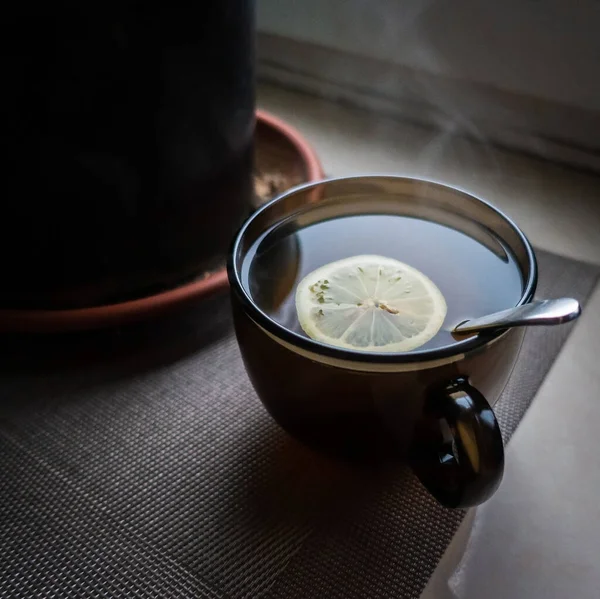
(161, 475)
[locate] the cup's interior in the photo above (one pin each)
(386, 196)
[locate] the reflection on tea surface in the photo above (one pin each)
(475, 279)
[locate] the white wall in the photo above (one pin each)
(547, 49)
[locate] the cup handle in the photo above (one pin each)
(457, 450)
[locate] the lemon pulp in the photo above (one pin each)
(370, 303)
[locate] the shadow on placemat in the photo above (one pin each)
(88, 357)
(148, 468)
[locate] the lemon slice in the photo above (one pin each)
(370, 303)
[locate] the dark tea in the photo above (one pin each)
(477, 274)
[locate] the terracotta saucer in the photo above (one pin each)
(298, 163)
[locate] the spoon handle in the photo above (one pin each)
(540, 312)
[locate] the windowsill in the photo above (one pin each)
(547, 129)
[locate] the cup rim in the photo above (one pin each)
(330, 351)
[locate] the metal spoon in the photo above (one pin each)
(540, 312)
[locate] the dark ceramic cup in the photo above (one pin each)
(432, 407)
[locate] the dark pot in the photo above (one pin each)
(128, 134)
